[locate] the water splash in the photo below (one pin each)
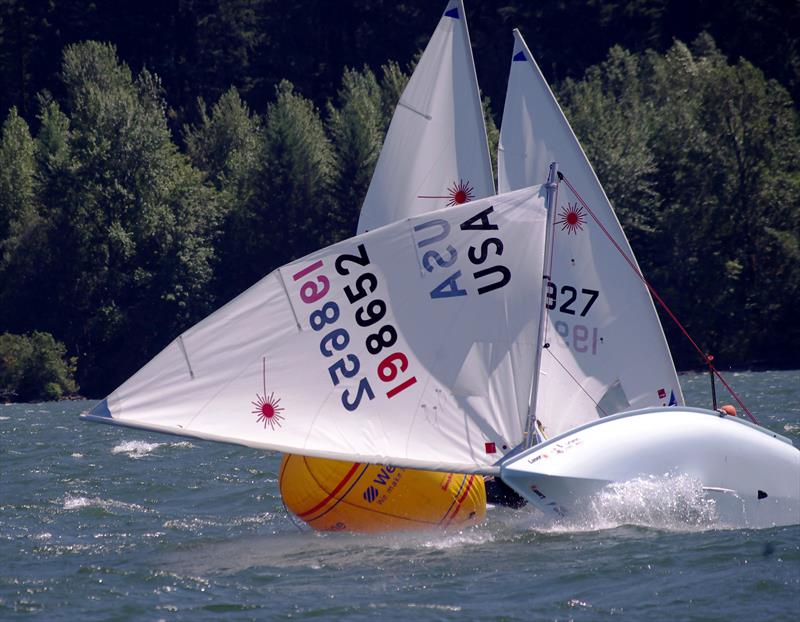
(135, 449)
(140, 449)
(669, 502)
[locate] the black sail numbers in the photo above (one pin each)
(443, 255)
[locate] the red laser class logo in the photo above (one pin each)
(267, 409)
(571, 218)
(460, 192)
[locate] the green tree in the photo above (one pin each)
(226, 145)
(289, 212)
(35, 367)
(131, 223)
(17, 173)
(701, 159)
(356, 131)
(21, 240)
(609, 111)
(492, 133)
(393, 82)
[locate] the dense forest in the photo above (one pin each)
(155, 160)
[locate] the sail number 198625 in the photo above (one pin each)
(369, 311)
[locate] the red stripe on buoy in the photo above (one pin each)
(455, 496)
(343, 497)
(461, 500)
(339, 486)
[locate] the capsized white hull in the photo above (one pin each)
(750, 474)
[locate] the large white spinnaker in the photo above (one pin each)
(435, 153)
(607, 352)
(410, 345)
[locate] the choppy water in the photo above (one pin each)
(103, 523)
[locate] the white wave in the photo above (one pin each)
(135, 449)
(76, 503)
(672, 502)
(190, 524)
(76, 455)
(4, 418)
(791, 427)
(140, 449)
(468, 538)
(434, 607)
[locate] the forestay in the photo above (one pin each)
(409, 345)
(435, 152)
(607, 351)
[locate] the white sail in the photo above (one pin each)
(607, 350)
(409, 345)
(435, 153)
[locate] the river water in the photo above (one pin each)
(103, 523)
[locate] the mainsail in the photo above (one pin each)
(435, 152)
(607, 351)
(410, 345)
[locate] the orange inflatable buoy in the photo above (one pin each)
(331, 495)
(728, 410)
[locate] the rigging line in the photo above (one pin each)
(706, 358)
(575, 380)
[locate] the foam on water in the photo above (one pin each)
(670, 502)
(135, 449)
(467, 538)
(79, 502)
(140, 449)
(197, 531)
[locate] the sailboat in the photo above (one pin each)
(424, 343)
(606, 375)
(435, 155)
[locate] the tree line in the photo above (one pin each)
(201, 47)
(115, 235)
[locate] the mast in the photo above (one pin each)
(550, 204)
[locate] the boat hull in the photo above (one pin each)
(751, 474)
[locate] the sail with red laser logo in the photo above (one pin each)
(435, 153)
(411, 345)
(606, 350)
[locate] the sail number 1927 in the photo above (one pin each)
(568, 297)
(575, 302)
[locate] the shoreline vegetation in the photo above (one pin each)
(35, 369)
(128, 213)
